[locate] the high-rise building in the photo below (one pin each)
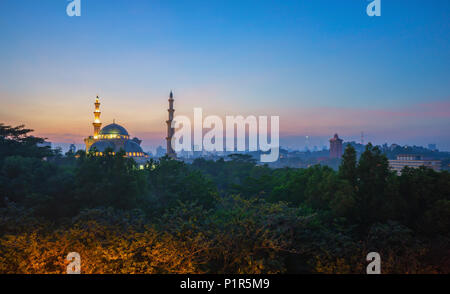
(336, 147)
(413, 161)
(170, 130)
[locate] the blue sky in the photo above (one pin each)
(323, 66)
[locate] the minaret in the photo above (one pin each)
(97, 123)
(170, 152)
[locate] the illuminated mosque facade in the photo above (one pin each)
(113, 137)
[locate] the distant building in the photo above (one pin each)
(413, 161)
(336, 147)
(432, 147)
(72, 148)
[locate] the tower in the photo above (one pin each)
(170, 130)
(336, 147)
(97, 123)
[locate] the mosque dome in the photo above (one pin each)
(114, 130)
(101, 145)
(132, 146)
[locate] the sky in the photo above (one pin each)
(322, 66)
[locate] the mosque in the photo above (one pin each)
(114, 137)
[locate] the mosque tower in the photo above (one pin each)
(97, 123)
(170, 130)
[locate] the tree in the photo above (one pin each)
(347, 169)
(109, 180)
(373, 174)
(171, 181)
(17, 141)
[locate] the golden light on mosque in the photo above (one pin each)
(114, 137)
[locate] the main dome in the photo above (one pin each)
(114, 129)
(101, 145)
(128, 146)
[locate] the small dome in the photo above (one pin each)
(114, 129)
(131, 146)
(101, 145)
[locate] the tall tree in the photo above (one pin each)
(17, 141)
(373, 173)
(347, 169)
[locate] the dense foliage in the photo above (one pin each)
(225, 216)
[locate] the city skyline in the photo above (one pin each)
(324, 68)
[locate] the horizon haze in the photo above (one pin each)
(322, 67)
